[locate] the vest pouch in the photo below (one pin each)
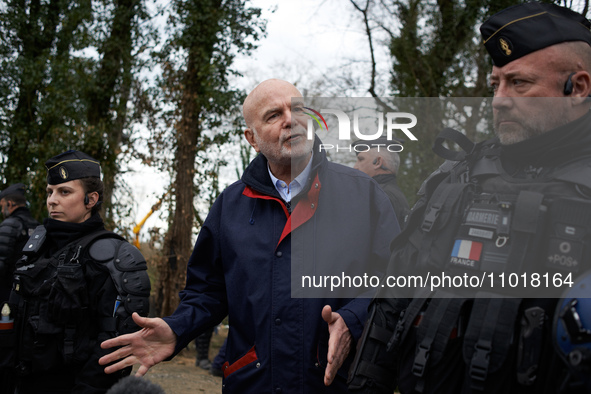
(68, 297)
(38, 350)
(440, 223)
(568, 236)
(47, 342)
(33, 280)
(48, 345)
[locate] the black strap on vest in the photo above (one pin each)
(444, 193)
(407, 318)
(440, 306)
(457, 137)
(489, 337)
(434, 332)
(69, 338)
(435, 311)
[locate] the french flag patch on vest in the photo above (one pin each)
(466, 253)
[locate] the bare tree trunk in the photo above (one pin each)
(111, 92)
(213, 30)
(177, 245)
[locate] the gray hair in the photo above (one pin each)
(391, 160)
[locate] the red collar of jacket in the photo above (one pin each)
(304, 210)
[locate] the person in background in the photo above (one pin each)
(15, 229)
(217, 365)
(202, 343)
(381, 161)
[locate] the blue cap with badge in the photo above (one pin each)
(71, 165)
(15, 188)
(519, 30)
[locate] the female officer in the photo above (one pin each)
(75, 286)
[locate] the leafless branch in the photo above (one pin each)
(365, 12)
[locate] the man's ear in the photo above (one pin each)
(249, 135)
(581, 86)
(377, 162)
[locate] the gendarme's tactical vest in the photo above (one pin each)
(514, 225)
(473, 217)
(53, 322)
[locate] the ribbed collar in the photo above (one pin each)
(385, 178)
(59, 233)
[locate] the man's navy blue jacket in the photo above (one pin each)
(241, 266)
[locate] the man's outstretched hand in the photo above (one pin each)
(339, 343)
(149, 346)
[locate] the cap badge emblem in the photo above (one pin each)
(505, 46)
(63, 172)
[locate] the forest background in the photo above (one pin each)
(153, 89)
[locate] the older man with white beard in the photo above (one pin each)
(246, 253)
